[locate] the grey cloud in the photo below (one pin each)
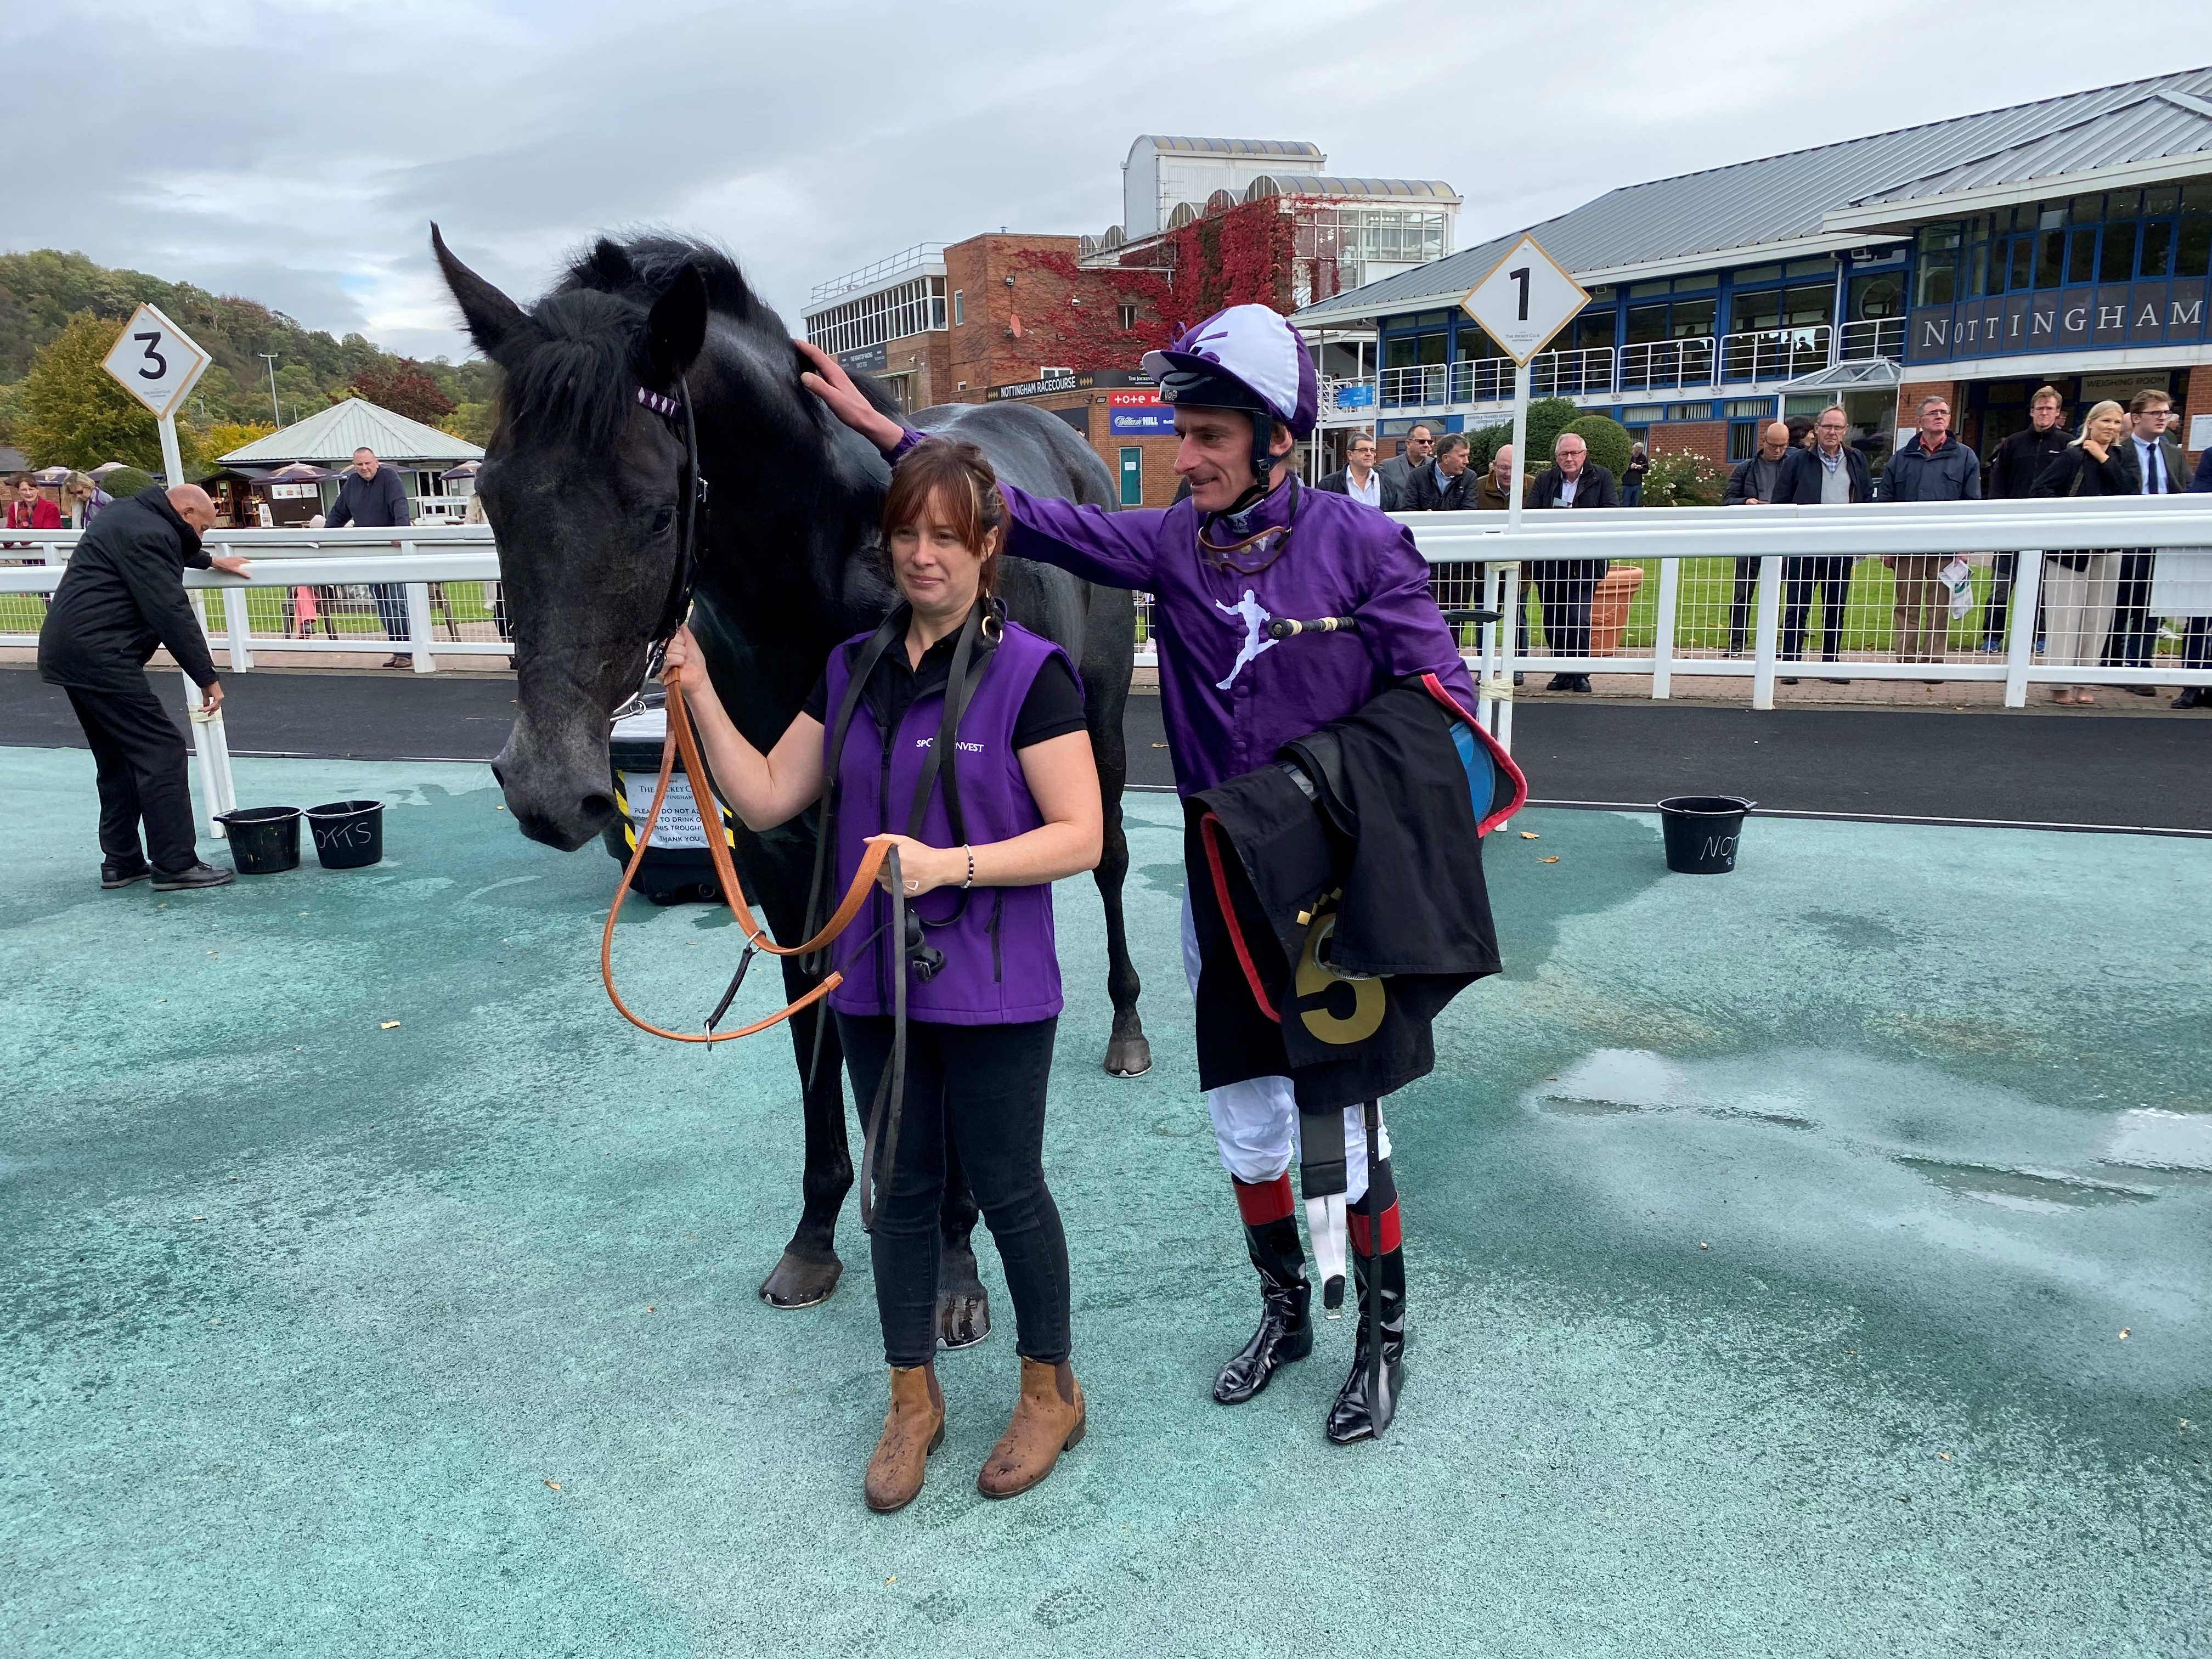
(300, 154)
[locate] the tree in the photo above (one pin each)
(1547, 418)
(223, 436)
(74, 415)
(403, 389)
(1607, 441)
(470, 421)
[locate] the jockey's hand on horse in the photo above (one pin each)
(683, 653)
(827, 380)
(924, 868)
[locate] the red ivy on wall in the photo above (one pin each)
(1071, 314)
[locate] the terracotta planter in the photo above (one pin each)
(1609, 607)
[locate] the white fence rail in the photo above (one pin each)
(427, 573)
(1740, 565)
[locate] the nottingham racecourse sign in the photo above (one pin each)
(2100, 314)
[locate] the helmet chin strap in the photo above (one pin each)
(1263, 464)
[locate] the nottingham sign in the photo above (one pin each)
(2103, 314)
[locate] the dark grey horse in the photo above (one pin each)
(580, 482)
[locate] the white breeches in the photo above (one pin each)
(1255, 1122)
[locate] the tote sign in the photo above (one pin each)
(157, 362)
(1525, 300)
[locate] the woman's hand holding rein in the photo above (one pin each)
(763, 790)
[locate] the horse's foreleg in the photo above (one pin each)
(1127, 1053)
(963, 1309)
(810, 1268)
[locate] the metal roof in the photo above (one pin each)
(1290, 147)
(1329, 184)
(333, 435)
(1787, 198)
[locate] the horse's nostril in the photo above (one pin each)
(598, 806)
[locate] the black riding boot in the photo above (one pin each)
(1286, 1333)
(1378, 1263)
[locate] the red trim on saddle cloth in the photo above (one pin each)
(1206, 827)
(1498, 756)
(1264, 1202)
(1357, 1224)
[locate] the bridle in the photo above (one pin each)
(691, 493)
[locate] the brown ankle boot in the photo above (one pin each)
(913, 1428)
(1049, 1419)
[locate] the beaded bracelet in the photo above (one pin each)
(970, 882)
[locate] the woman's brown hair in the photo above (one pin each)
(958, 478)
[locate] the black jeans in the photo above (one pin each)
(1832, 574)
(138, 756)
(391, 608)
(1743, 604)
(1564, 590)
(986, 1084)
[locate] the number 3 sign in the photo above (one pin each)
(155, 361)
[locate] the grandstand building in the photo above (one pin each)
(2067, 242)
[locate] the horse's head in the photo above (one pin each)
(581, 483)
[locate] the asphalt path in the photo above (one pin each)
(2119, 769)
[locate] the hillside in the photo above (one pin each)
(41, 291)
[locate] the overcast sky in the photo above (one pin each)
(296, 154)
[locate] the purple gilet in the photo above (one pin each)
(1230, 696)
(1000, 964)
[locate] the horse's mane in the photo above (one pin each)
(573, 370)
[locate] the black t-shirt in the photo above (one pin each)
(1053, 708)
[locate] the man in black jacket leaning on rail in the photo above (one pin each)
(122, 595)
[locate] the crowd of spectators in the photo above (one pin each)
(2094, 605)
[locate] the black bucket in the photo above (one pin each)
(349, 834)
(1702, 831)
(263, 840)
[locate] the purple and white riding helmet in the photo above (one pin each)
(1247, 357)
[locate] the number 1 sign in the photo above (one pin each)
(1524, 300)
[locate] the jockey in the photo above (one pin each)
(1250, 545)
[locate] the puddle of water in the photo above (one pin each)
(2152, 1140)
(2046, 1227)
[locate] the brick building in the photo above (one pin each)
(1061, 321)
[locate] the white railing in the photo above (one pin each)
(1775, 353)
(1666, 365)
(1871, 337)
(442, 573)
(1773, 538)
(907, 259)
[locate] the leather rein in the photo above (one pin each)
(681, 743)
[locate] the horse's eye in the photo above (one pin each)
(662, 520)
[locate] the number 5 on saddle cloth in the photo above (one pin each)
(1338, 901)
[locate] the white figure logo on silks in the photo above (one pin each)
(1256, 619)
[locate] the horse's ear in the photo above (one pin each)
(677, 327)
(491, 316)
(611, 261)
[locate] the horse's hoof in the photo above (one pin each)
(963, 1316)
(1128, 1056)
(801, 1282)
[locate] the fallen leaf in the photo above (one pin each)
(893, 1579)
(1159, 745)
(1946, 1456)
(199, 1218)
(556, 1484)
(389, 1025)
(1530, 835)
(1703, 1245)
(2124, 1333)
(649, 1307)
(1554, 858)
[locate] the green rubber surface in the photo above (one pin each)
(1772, 1238)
